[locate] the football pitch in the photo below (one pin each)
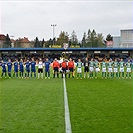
(95, 105)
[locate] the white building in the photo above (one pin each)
(126, 38)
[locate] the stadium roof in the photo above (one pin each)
(69, 49)
(127, 30)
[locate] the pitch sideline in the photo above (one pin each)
(67, 114)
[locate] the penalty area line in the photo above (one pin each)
(67, 114)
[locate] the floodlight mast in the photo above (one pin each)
(53, 26)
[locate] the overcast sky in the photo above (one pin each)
(31, 19)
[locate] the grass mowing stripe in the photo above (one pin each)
(67, 116)
(100, 106)
(32, 106)
(132, 101)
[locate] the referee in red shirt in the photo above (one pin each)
(71, 67)
(56, 66)
(64, 68)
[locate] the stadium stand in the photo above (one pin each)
(75, 53)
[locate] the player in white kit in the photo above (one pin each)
(40, 68)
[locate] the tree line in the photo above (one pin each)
(89, 39)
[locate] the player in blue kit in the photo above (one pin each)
(9, 67)
(33, 67)
(47, 68)
(16, 69)
(21, 68)
(3, 65)
(27, 66)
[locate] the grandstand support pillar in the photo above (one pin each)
(108, 54)
(43, 54)
(131, 54)
(21, 54)
(87, 53)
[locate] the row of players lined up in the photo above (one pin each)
(91, 68)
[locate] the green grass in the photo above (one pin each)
(100, 106)
(32, 106)
(37, 106)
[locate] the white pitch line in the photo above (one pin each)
(67, 115)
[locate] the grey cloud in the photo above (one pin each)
(33, 19)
